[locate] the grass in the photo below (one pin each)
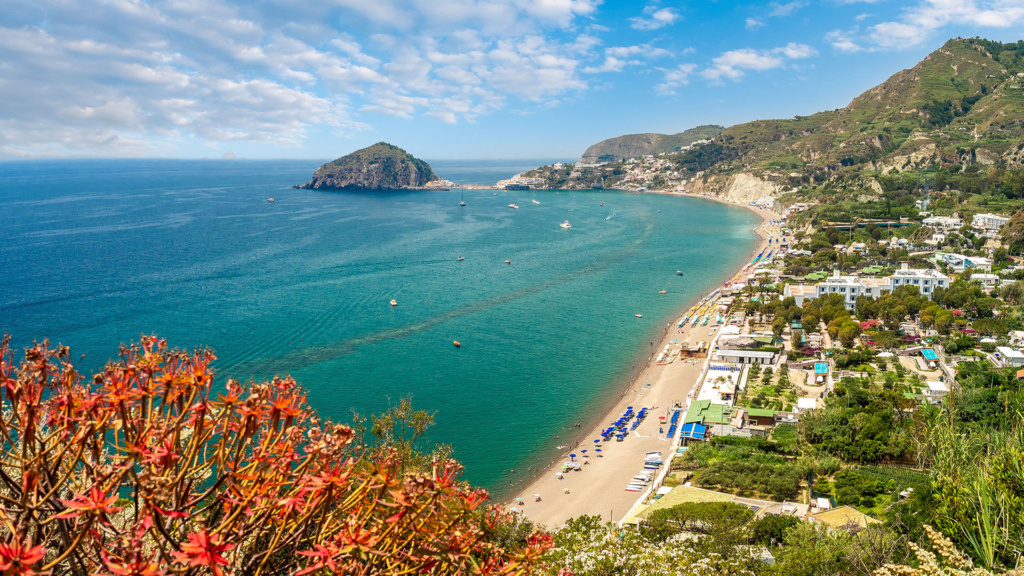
(681, 494)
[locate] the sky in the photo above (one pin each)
(444, 79)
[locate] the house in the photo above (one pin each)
(926, 279)
(935, 391)
(1010, 357)
(800, 292)
(850, 287)
(943, 223)
(760, 417)
(959, 262)
(988, 281)
(1016, 337)
(989, 224)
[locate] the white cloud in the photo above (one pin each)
(146, 75)
(753, 24)
(786, 9)
(674, 78)
(734, 63)
(843, 41)
(862, 17)
(917, 23)
(654, 18)
(618, 57)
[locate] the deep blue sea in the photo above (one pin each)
(95, 253)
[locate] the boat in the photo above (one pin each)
(460, 258)
(462, 199)
(565, 225)
(508, 261)
(535, 201)
(271, 199)
(514, 206)
(662, 291)
(457, 344)
(638, 315)
(394, 302)
(679, 272)
(602, 204)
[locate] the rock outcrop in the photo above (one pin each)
(378, 167)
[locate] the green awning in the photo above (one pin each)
(761, 412)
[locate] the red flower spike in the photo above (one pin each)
(17, 559)
(204, 550)
(95, 503)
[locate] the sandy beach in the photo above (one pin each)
(598, 489)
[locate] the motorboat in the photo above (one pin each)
(662, 291)
(460, 258)
(271, 199)
(508, 261)
(457, 344)
(679, 272)
(638, 315)
(535, 201)
(565, 225)
(394, 302)
(514, 206)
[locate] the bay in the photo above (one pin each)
(96, 253)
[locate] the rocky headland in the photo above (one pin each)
(382, 166)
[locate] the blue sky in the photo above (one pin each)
(445, 79)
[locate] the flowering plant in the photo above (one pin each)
(145, 470)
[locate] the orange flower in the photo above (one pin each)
(17, 559)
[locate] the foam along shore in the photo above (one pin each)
(599, 487)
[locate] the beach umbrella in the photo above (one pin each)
(583, 451)
(661, 417)
(597, 441)
(572, 456)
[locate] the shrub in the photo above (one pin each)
(145, 469)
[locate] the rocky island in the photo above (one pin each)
(382, 166)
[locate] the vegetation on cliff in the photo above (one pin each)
(634, 145)
(382, 166)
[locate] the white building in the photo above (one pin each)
(745, 356)
(935, 391)
(925, 279)
(959, 262)
(943, 222)
(989, 281)
(989, 224)
(1010, 356)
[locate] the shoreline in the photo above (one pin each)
(599, 488)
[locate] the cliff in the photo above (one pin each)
(378, 167)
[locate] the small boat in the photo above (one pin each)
(662, 291)
(460, 258)
(679, 272)
(638, 315)
(535, 202)
(394, 302)
(508, 261)
(462, 199)
(462, 202)
(457, 344)
(271, 199)
(514, 206)
(602, 204)
(565, 225)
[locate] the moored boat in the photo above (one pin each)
(565, 225)
(394, 302)
(514, 206)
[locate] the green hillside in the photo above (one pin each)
(965, 95)
(636, 145)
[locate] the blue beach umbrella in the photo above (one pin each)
(572, 456)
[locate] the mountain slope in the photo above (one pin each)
(636, 145)
(381, 166)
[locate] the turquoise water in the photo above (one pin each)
(98, 252)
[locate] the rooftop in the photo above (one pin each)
(843, 517)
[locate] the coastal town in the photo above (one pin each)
(791, 389)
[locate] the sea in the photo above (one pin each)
(96, 253)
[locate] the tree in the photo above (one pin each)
(147, 469)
